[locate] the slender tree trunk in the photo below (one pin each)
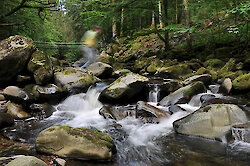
(153, 19)
(160, 14)
(187, 22)
(114, 29)
(122, 20)
(165, 4)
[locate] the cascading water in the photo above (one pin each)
(138, 143)
(154, 93)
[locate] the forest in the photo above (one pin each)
(190, 23)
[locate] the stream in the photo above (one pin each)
(137, 143)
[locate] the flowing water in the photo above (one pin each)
(140, 144)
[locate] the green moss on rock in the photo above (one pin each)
(242, 82)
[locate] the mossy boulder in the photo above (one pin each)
(100, 70)
(214, 64)
(229, 66)
(204, 70)
(14, 54)
(176, 71)
(76, 143)
(242, 82)
(171, 86)
(124, 88)
(27, 161)
(41, 67)
(213, 121)
(74, 80)
(205, 78)
(183, 94)
(105, 58)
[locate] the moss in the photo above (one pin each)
(205, 109)
(242, 82)
(218, 106)
(194, 88)
(214, 63)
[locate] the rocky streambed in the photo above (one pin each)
(179, 113)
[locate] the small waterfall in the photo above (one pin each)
(154, 93)
(241, 134)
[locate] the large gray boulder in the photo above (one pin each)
(183, 94)
(77, 143)
(74, 80)
(213, 121)
(41, 67)
(124, 88)
(15, 93)
(205, 78)
(100, 70)
(14, 54)
(27, 161)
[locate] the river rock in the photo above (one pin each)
(124, 88)
(74, 80)
(3, 106)
(14, 54)
(105, 58)
(214, 63)
(100, 70)
(226, 86)
(76, 143)
(213, 121)
(241, 132)
(229, 66)
(176, 71)
(15, 93)
(116, 112)
(27, 161)
(16, 111)
(148, 113)
(41, 67)
(23, 80)
(242, 83)
(205, 78)
(42, 111)
(6, 120)
(183, 94)
(170, 86)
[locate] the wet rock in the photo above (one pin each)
(226, 86)
(116, 112)
(6, 120)
(121, 72)
(60, 162)
(15, 93)
(74, 80)
(1, 96)
(148, 113)
(16, 111)
(3, 106)
(242, 83)
(184, 94)
(100, 70)
(14, 54)
(205, 78)
(41, 67)
(124, 88)
(76, 143)
(42, 110)
(175, 108)
(213, 121)
(170, 86)
(206, 97)
(27, 161)
(241, 132)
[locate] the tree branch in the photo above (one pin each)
(14, 24)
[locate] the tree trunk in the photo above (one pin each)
(167, 44)
(153, 19)
(114, 29)
(176, 12)
(187, 22)
(160, 14)
(122, 20)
